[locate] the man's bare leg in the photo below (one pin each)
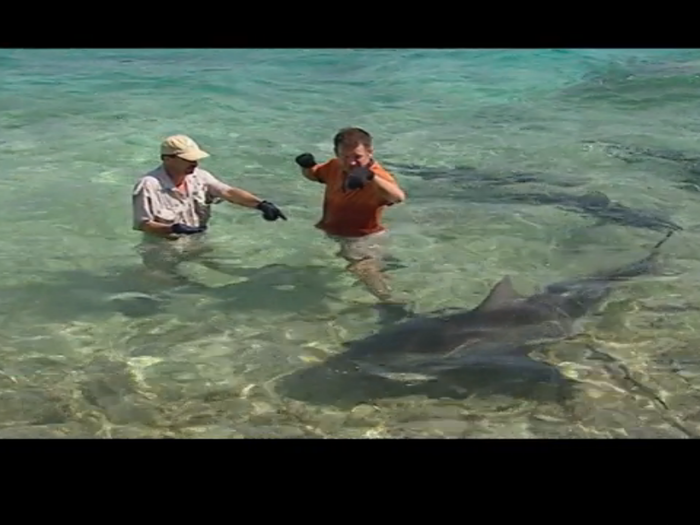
(161, 263)
(366, 257)
(369, 272)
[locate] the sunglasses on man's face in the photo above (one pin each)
(190, 162)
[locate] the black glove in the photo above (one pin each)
(357, 178)
(270, 211)
(187, 230)
(306, 160)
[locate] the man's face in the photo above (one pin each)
(353, 156)
(178, 166)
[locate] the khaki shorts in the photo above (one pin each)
(355, 249)
(166, 255)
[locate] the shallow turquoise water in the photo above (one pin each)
(85, 351)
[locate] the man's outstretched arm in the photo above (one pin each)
(244, 198)
(309, 167)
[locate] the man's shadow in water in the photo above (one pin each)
(281, 287)
(75, 294)
(337, 383)
(278, 287)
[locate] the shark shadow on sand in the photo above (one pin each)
(479, 351)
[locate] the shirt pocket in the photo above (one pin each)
(202, 204)
(165, 216)
(168, 210)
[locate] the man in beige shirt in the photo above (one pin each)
(172, 204)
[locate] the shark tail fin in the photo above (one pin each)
(658, 245)
(643, 266)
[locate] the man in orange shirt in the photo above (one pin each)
(357, 190)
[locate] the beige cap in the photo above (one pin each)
(182, 146)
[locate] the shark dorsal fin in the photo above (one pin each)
(596, 199)
(502, 293)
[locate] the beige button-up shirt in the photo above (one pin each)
(155, 198)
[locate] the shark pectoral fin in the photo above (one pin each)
(502, 293)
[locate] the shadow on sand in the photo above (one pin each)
(77, 294)
(336, 383)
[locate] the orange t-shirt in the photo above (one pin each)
(350, 213)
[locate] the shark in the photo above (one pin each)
(598, 205)
(686, 164)
(476, 185)
(471, 175)
(633, 154)
(504, 327)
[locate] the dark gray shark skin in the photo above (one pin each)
(504, 327)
